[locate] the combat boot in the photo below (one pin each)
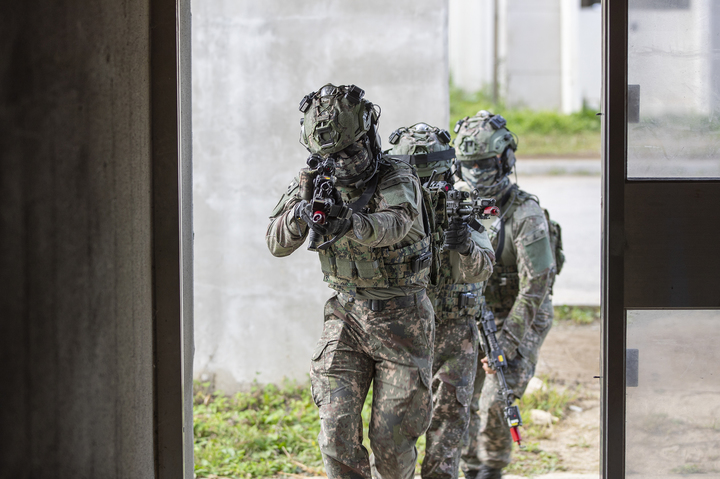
(487, 472)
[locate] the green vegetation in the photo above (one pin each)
(541, 133)
(272, 431)
(531, 459)
(577, 314)
(687, 469)
(261, 433)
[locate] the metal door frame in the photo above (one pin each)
(639, 239)
(614, 154)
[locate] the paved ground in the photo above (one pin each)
(570, 190)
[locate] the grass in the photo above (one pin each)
(531, 459)
(581, 315)
(541, 133)
(261, 433)
(272, 431)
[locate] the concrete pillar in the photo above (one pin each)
(471, 38)
(569, 45)
(259, 317)
(532, 61)
(90, 270)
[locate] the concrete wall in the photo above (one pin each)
(80, 204)
(259, 317)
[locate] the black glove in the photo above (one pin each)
(457, 237)
(330, 227)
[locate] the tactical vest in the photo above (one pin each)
(503, 286)
(450, 300)
(348, 265)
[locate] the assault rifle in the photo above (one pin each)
(496, 361)
(326, 203)
(460, 204)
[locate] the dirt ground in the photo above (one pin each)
(571, 357)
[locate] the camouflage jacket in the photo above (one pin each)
(374, 259)
(518, 291)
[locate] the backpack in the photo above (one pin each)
(555, 242)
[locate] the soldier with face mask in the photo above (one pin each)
(465, 261)
(378, 325)
(518, 292)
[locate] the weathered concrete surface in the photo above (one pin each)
(258, 317)
(76, 334)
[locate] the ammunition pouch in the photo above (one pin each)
(467, 300)
(502, 289)
(348, 268)
(456, 300)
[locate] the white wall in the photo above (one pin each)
(549, 51)
(532, 60)
(256, 316)
(590, 56)
(470, 41)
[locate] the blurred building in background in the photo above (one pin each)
(540, 54)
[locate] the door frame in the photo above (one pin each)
(614, 155)
(172, 257)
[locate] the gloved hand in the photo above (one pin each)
(332, 225)
(457, 237)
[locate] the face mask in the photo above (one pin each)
(485, 180)
(479, 177)
(352, 161)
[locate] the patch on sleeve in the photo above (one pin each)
(537, 250)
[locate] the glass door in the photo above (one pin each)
(661, 239)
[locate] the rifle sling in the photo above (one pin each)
(364, 199)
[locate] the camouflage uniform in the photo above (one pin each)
(518, 293)
(375, 263)
(455, 291)
(456, 351)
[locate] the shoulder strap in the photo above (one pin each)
(362, 202)
(501, 241)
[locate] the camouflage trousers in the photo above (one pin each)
(454, 365)
(392, 349)
(488, 441)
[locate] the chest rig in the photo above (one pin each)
(451, 300)
(348, 265)
(504, 285)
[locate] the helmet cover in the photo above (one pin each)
(334, 118)
(483, 136)
(423, 144)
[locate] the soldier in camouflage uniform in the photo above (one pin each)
(464, 263)
(518, 291)
(379, 324)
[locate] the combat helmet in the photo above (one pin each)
(336, 117)
(484, 143)
(424, 146)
